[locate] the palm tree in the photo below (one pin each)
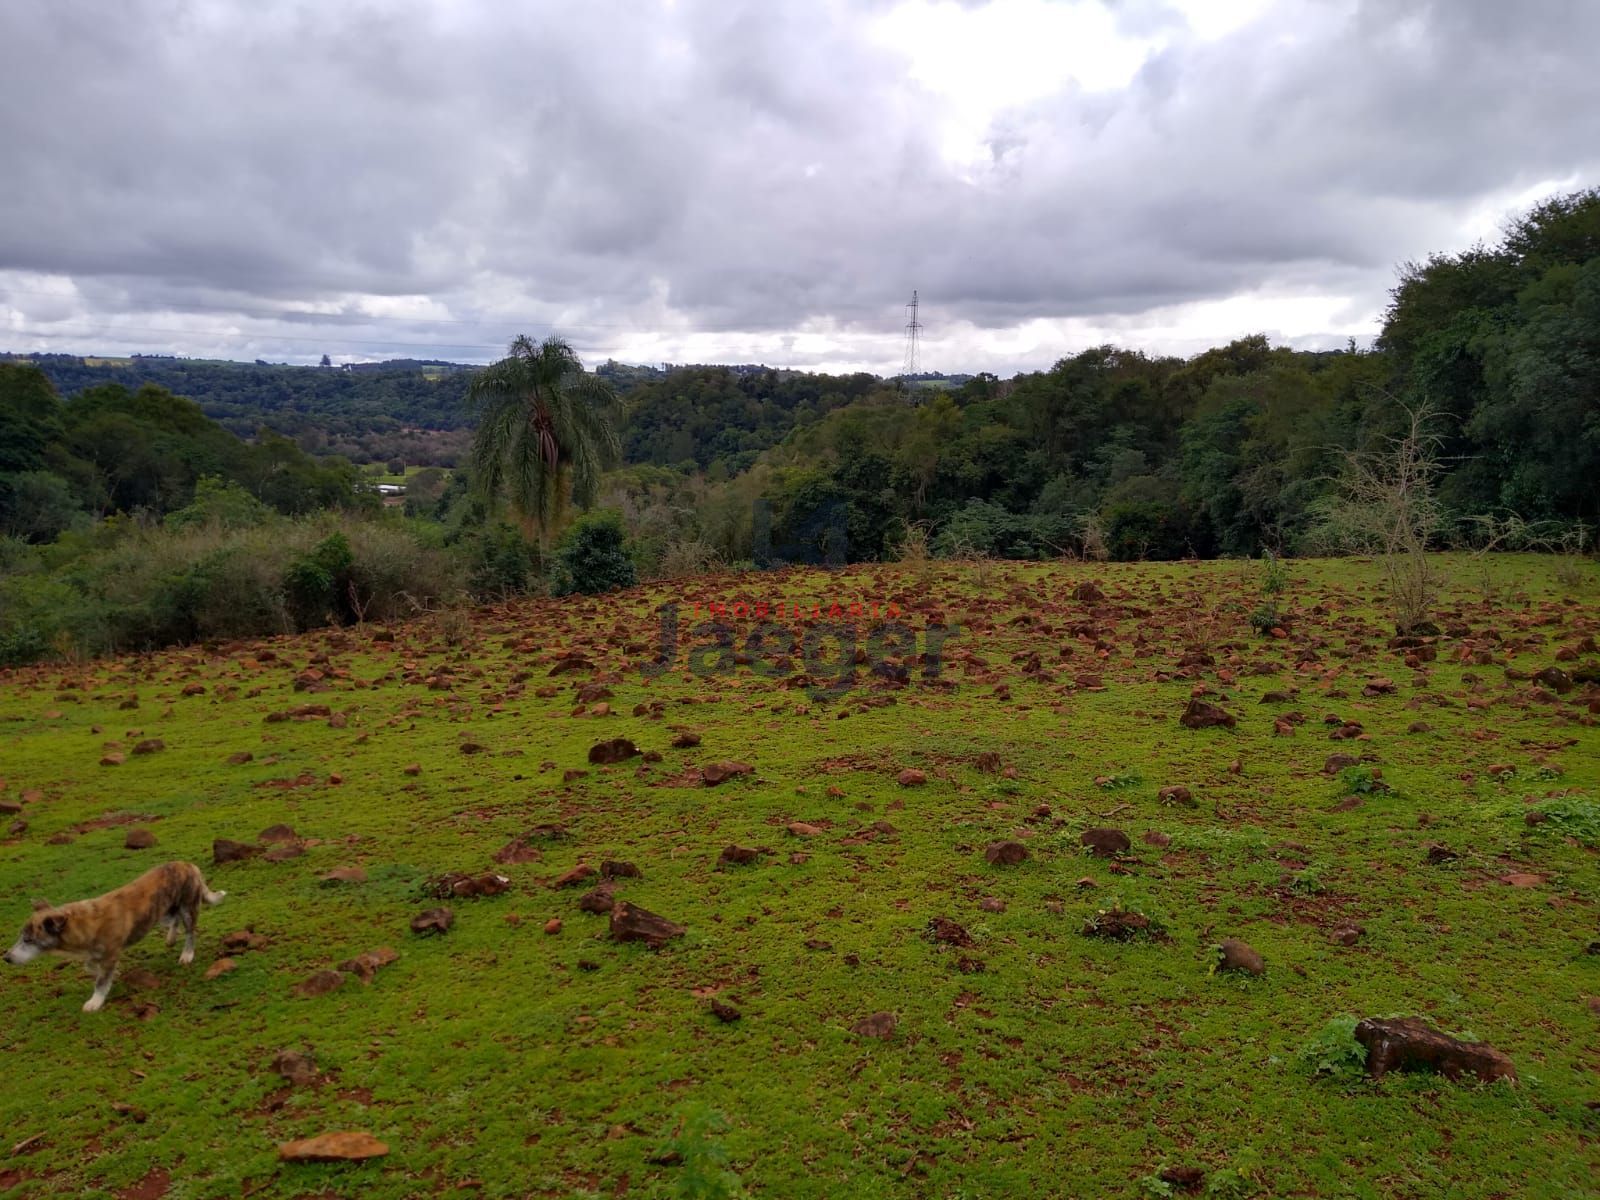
(545, 429)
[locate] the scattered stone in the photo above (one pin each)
(613, 751)
(1408, 1044)
(1240, 956)
(1348, 935)
(1439, 853)
(725, 1013)
(613, 868)
(149, 746)
(344, 875)
(949, 933)
(1176, 794)
(911, 777)
(578, 874)
(598, 900)
(299, 1069)
(225, 850)
(464, 886)
(365, 965)
(340, 1146)
(1202, 715)
(1088, 592)
(1554, 678)
(1335, 763)
(715, 773)
(879, 1025)
(553, 925)
(221, 967)
(412, 769)
(284, 852)
(319, 984)
(1105, 843)
(278, 833)
(630, 923)
(992, 904)
(1153, 837)
(801, 829)
(112, 759)
(1005, 853)
(239, 758)
(1117, 925)
(1184, 1179)
(733, 856)
(138, 839)
(433, 920)
(1521, 879)
(242, 940)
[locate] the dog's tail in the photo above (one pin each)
(211, 897)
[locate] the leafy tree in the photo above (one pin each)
(591, 556)
(546, 430)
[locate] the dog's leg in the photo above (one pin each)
(104, 972)
(189, 919)
(171, 926)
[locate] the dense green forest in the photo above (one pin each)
(1110, 452)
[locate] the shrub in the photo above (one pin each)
(500, 563)
(590, 557)
(220, 502)
(1334, 1051)
(316, 584)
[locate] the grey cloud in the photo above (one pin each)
(759, 165)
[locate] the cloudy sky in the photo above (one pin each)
(726, 181)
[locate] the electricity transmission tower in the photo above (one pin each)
(913, 336)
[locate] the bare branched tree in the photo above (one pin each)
(1386, 505)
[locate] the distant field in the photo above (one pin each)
(501, 1060)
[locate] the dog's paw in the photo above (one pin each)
(93, 1003)
(186, 958)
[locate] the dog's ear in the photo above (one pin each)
(41, 905)
(54, 924)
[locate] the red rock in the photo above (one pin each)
(737, 856)
(1235, 955)
(630, 923)
(1521, 879)
(221, 967)
(1202, 715)
(1405, 1043)
(1005, 853)
(553, 925)
(801, 829)
(299, 1069)
(319, 984)
(367, 964)
(225, 850)
(240, 758)
(344, 875)
(1176, 794)
(149, 746)
(880, 1025)
(717, 772)
(112, 759)
(573, 877)
(911, 777)
(685, 741)
(433, 920)
(948, 932)
(278, 833)
(340, 1146)
(1105, 843)
(139, 839)
(412, 769)
(613, 751)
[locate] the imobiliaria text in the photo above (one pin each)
(794, 610)
(836, 643)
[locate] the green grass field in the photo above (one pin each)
(502, 1060)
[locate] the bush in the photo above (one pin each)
(590, 557)
(220, 502)
(316, 585)
(500, 563)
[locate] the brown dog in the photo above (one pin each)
(96, 932)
